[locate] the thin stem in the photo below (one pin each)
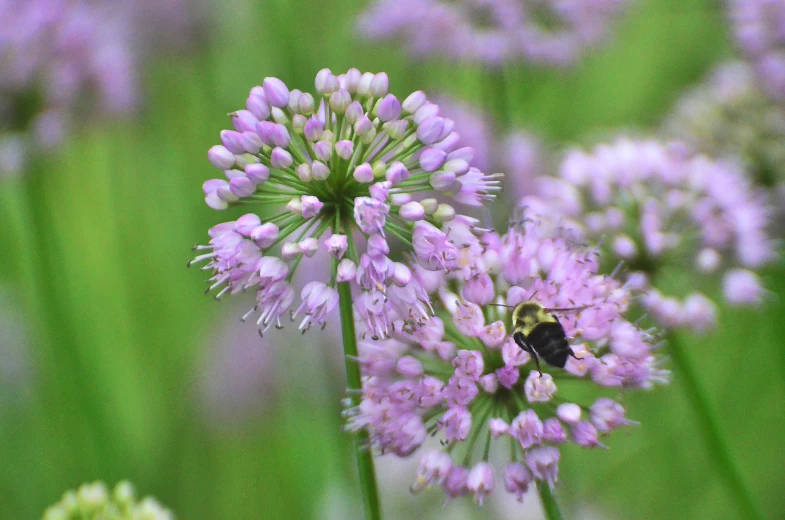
(713, 437)
(549, 505)
(364, 455)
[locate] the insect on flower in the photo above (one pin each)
(540, 333)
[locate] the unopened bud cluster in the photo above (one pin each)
(96, 502)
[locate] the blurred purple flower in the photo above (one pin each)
(660, 208)
(63, 63)
(554, 32)
(462, 389)
(759, 27)
(729, 116)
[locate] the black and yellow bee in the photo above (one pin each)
(538, 331)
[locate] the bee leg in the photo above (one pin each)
(536, 360)
(572, 355)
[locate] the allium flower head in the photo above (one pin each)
(92, 501)
(493, 32)
(729, 116)
(351, 165)
(759, 27)
(664, 211)
(53, 56)
(463, 378)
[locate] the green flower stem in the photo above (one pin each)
(549, 505)
(714, 439)
(364, 455)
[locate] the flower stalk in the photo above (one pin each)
(549, 505)
(713, 437)
(365, 466)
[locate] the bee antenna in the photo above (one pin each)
(502, 305)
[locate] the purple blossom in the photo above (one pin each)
(759, 28)
(293, 151)
(493, 31)
(665, 203)
(463, 395)
(728, 115)
(67, 57)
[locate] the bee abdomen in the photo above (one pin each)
(550, 343)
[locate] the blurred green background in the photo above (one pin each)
(108, 338)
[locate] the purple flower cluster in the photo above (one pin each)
(351, 164)
(555, 32)
(759, 27)
(659, 206)
(461, 375)
(52, 55)
(729, 116)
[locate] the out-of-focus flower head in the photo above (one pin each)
(729, 116)
(553, 32)
(759, 27)
(92, 501)
(342, 171)
(524, 158)
(56, 59)
(464, 378)
(665, 211)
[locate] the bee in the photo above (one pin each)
(538, 331)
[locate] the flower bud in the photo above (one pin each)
(308, 246)
(429, 205)
(353, 77)
(353, 112)
(220, 157)
(303, 172)
(336, 245)
(426, 111)
(409, 367)
(396, 129)
(311, 206)
(323, 150)
(363, 126)
(413, 102)
(290, 251)
(340, 100)
(313, 129)
(363, 173)
(402, 275)
(265, 235)
(443, 181)
(305, 104)
(379, 84)
(319, 170)
(276, 92)
(257, 104)
(396, 173)
(412, 211)
(428, 131)
(389, 108)
(244, 121)
(294, 98)
(280, 158)
(257, 172)
(432, 159)
(242, 187)
(346, 270)
(344, 149)
(364, 87)
(444, 213)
